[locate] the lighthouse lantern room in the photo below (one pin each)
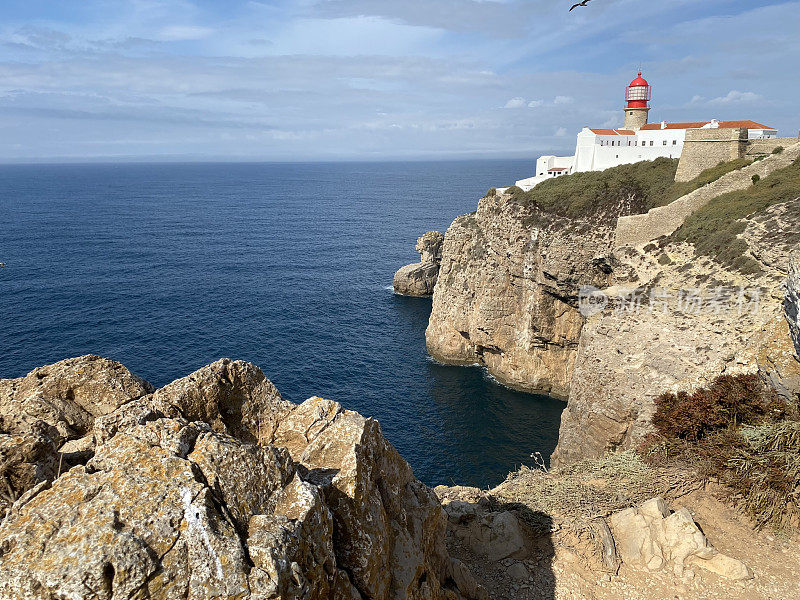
(637, 96)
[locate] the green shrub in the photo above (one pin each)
(756, 178)
(491, 193)
(602, 195)
(713, 229)
(778, 150)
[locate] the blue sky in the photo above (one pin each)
(375, 79)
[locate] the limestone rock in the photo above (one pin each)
(215, 487)
(46, 416)
(233, 397)
(419, 279)
(792, 301)
(507, 293)
(390, 527)
(633, 351)
(649, 538)
(68, 395)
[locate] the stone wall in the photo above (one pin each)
(637, 230)
(762, 147)
(706, 148)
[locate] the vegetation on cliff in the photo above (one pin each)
(714, 229)
(619, 191)
(738, 432)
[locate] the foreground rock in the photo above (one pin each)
(651, 538)
(215, 487)
(419, 279)
(47, 417)
(792, 301)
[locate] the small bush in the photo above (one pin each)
(729, 401)
(664, 259)
(491, 193)
(778, 150)
(740, 433)
(756, 178)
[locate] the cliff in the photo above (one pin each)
(667, 316)
(211, 487)
(508, 288)
(792, 302)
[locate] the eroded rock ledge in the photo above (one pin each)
(211, 487)
(419, 279)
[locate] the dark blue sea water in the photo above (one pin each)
(168, 267)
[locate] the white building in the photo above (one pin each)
(600, 149)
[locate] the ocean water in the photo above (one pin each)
(168, 267)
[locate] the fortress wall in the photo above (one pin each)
(706, 148)
(637, 230)
(761, 147)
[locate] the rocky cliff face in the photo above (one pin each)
(419, 279)
(508, 290)
(509, 298)
(211, 487)
(792, 301)
(688, 320)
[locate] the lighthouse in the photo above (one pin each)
(597, 149)
(637, 96)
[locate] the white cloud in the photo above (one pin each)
(563, 100)
(517, 102)
(535, 103)
(561, 132)
(180, 33)
(737, 97)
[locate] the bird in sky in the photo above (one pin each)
(583, 3)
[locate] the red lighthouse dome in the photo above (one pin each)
(638, 93)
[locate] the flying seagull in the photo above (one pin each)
(582, 3)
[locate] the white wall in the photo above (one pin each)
(597, 152)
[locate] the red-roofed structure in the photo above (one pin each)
(602, 148)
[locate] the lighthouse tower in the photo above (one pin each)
(637, 96)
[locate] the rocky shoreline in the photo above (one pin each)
(214, 486)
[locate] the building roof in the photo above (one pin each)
(557, 169)
(612, 131)
(699, 124)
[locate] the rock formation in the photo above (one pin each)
(508, 290)
(651, 538)
(213, 486)
(690, 321)
(419, 279)
(792, 301)
(509, 297)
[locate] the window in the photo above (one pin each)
(651, 142)
(674, 142)
(665, 142)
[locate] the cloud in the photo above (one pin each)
(563, 100)
(737, 97)
(561, 132)
(179, 33)
(535, 103)
(517, 102)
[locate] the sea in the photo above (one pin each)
(168, 267)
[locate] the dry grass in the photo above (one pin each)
(585, 490)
